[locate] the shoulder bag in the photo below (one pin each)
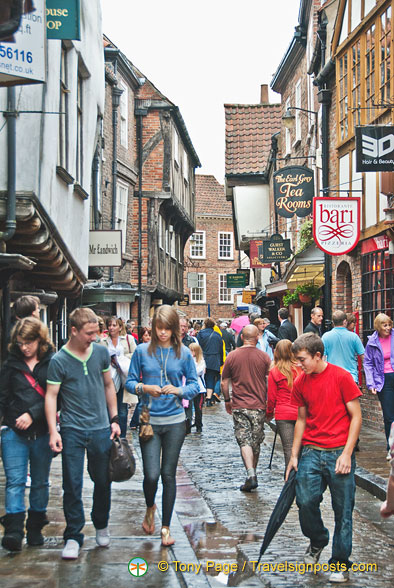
(121, 461)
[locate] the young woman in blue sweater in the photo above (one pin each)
(162, 373)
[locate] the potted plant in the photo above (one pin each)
(291, 298)
(307, 292)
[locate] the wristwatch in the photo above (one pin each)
(227, 400)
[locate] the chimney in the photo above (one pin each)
(264, 94)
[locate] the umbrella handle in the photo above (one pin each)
(272, 452)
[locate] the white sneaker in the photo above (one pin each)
(312, 554)
(71, 549)
(388, 456)
(102, 537)
(339, 577)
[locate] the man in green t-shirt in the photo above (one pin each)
(80, 371)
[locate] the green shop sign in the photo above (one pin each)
(63, 19)
(236, 280)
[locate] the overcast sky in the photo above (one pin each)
(202, 54)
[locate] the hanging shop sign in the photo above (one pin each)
(374, 148)
(236, 280)
(293, 191)
(254, 253)
(22, 57)
(336, 224)
(276, 248)
(248, 296)
(105, 248)
(375, 244)
(184, 301)
(63, 19)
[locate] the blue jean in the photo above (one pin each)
(386, 397)
(98, 446)
(316, 471)
(123, 411)
(17, 452)
(165, 444)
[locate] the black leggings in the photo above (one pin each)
(166, 443)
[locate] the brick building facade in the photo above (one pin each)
(147, 191)
(210, 253)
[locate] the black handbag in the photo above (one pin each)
(121, 461)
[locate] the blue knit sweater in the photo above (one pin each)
(161, 369)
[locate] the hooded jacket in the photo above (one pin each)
(374, 361)
(211, 344)
(17, 396)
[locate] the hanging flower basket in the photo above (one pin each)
(305, 298)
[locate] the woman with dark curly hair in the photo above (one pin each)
(25, 439)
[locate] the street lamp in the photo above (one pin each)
(289, 119)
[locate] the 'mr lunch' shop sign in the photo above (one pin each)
(105, 248)
(336, 224)
(375, 148)
(293, 191)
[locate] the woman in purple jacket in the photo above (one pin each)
(379, 368)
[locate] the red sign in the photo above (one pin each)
(336, 224)
(375, 244)
(255, 261)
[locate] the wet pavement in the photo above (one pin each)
(217, 528)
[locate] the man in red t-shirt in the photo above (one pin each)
(247, 370)
(327, 428)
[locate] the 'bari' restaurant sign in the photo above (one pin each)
(293, 191)
(336, 224)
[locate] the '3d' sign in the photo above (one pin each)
(293, 191)
(375, 148)
(336, 224)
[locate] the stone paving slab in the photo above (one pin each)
(213, 462)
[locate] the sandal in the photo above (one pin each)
(166, 539)
(148, 524)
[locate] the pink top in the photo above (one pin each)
(386, 346)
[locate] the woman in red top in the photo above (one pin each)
(280, 383)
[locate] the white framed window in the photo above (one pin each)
(198, 294)
(123, 111)
(225, 294)
(197, 245)
(287, 132)
(185, 166)
(162, 231)
(63, 109)
(122, 196)
(167, 240)
(79, 149)
(298, 112)
(176, 147)
(123, 310)
(225, 246)
(172, 242)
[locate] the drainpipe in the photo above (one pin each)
(324, 97)
(10, 222)
(116, 94)
(95, 187)
(274, 144)
(140, 111)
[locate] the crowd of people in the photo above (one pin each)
(75, 401)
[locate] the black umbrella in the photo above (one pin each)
(280, 511)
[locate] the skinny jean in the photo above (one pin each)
(17, 452)
(166, 444)
(286, 434)
(316, 471)
(386, 398)
(197, 402)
